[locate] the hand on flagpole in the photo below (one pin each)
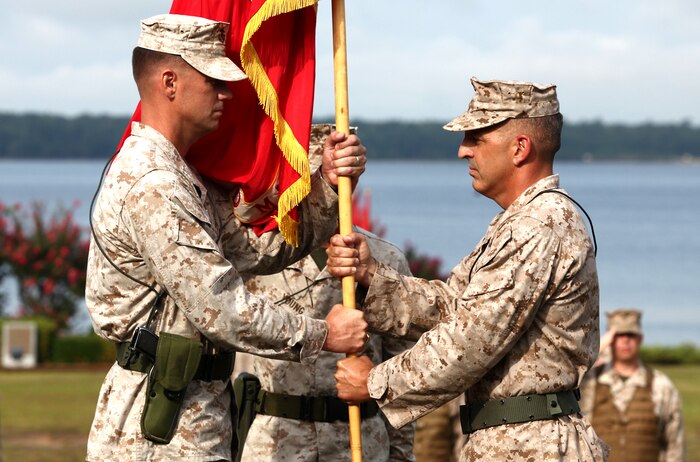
(347, 330)
(343, 155)
(350, 256)
(351, 378)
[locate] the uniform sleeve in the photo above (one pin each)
(673, 447)
(404, 306)
(497, 307)
(173, 234)
(269, 253)
(401, 439)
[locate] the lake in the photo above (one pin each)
(646, 218)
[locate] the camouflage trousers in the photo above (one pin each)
(567, 439)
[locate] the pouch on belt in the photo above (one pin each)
(177, 359)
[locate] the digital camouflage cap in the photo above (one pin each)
(498, 100)
(199, 41)
(625, 321)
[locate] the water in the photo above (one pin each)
(646, 218)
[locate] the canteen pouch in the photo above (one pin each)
(177, 360)
(245, 391)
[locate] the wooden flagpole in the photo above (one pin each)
(342, 122)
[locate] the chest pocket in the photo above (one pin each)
(193, 227)
(484, 280)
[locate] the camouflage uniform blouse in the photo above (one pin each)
(159, 222)
(517, 316)
(304, 289)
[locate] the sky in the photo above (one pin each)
(628, 61)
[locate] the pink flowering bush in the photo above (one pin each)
(48, 256)
(424, 266)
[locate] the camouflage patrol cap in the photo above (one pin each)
(199, 41)
(625, 321)
(498, 100)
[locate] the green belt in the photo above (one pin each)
(310, 408)
(518, 409)
(211, 367)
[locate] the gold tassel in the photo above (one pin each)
(293, 152)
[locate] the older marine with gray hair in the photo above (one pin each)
(515, 327)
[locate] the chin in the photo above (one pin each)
(213, 126)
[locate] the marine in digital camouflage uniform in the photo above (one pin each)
(515, 327)
(160, 228)
(634, 408)
(307, 288)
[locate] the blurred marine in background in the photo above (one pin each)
(636, 410)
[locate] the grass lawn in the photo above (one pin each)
(687, 380)
(45, 415)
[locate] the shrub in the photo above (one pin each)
(685, 353)
(424, 266)
(83, 349)
(47, 256)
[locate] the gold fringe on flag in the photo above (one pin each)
(293, 151)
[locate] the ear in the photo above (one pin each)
(168, 82)
(523, 149)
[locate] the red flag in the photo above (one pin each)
(263, 137)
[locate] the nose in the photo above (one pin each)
(224, 91)
(464, 152)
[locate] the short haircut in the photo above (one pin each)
(143, 61)
(545, 131)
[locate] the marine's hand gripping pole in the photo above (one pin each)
(342, 122)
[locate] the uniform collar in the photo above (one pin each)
(608, 376)
(171, 154)
(527, 196)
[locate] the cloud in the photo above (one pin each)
(631, 60)
(69, 90)
(608, 60)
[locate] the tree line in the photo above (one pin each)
(42, 136)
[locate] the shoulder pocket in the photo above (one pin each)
(193, 224)
(484, 279)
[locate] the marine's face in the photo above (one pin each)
(203, 100)
(490, 163)
(626, 347)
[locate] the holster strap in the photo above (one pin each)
(211, 367)
(518, 409)
(310, 408)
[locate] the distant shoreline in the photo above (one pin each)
(42, 136)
